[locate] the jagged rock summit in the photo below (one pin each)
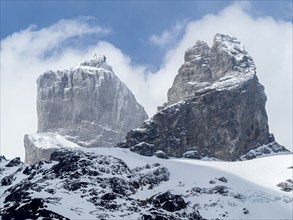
(87, 104)
(215, 108)
(225, 65)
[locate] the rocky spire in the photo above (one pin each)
(215, 108)
(87, 104)
(98, 61)
(204, 68)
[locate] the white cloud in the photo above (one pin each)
(169, 36)
(32, 42)
(22, 60)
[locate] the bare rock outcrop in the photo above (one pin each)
(87, 104)
(216, 107)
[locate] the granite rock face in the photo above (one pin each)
(219, 66)
(87, 104)
(216, 106)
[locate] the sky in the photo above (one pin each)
(144, 42)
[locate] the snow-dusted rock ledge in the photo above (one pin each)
(40, 146)
(265, 150)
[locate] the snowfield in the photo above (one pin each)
(256, 180)
(214, 189)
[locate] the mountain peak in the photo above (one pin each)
(87, 104)
(209, 64)
(99, 57)
(226, 38)
(224, 65)
(98, 61)
(234, 52)
(215, 108)
(228, 43)
(198, 51)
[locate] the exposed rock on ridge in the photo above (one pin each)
(207, 68)
(40, 146)
(215, 108)
(86, 185)
(87, 104)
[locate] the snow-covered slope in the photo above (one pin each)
(113, 183)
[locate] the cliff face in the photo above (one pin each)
(87, 104)
(215, 108)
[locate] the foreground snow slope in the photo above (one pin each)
(265, 171)
(114, 183)
(256, 180)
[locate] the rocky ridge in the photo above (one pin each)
(104, 183)
(113, 183)
(87, 104)
(215, 108)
